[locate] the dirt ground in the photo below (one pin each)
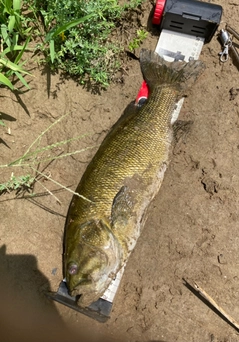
(192, 231)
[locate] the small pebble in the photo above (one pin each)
(221, 259)
(54, 270)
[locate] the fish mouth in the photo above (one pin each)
(81, 287)
(85, 294)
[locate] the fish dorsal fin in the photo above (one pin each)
(130, 111)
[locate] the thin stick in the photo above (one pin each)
(47, 159)
(18, 161)
(44, 132)
(216, 306)
(62, 186)
(44, 187)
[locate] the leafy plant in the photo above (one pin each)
(2, 123)
(16, 183)
(136, 42)
(60, 31)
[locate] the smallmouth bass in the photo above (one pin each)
(121, 180)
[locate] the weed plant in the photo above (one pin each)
(141, 35)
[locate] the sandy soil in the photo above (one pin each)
(192, 228)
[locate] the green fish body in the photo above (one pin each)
(121, 180)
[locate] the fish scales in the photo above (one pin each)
(121, 181)
(144, 141)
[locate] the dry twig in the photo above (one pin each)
(212, 302)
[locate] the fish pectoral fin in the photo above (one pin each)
(122, 207)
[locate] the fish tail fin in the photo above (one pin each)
(157, 71)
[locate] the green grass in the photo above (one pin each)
(15, 37)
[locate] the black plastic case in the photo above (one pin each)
(192, 17)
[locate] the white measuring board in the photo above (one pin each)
(110, 293)
(172, 46)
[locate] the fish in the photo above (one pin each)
(106, 219)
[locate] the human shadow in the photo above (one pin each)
(22, 277)
(26, 314)
(22, 293)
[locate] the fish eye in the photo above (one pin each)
(72, 269)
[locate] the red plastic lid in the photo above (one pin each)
(158, 12)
